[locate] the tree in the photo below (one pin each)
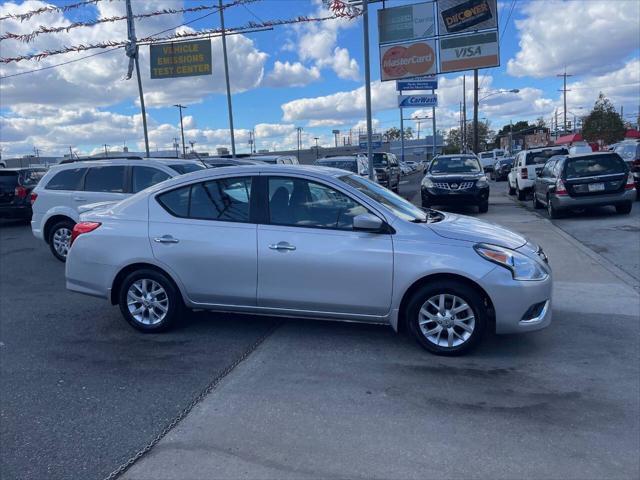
(408, 133)
(394, 134)
(603, 124)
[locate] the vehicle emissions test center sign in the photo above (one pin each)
(417, 101)
(408, 22)
(408, 60)
(180, 59)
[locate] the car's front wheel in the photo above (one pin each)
(510, 189)
(149, 301)
(60, 239)
(447, 318)
(483, 207)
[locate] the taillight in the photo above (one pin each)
(524, 173)
(560, 188)
(631, 184)
(33, 198)
(83, 227)
(20, 192)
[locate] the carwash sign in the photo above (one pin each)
(407, 60)
(183, 59)
(417, 101)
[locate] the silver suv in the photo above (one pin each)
(58, 199)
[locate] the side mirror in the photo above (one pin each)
(367, 222)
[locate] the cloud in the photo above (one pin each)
(291, 75)
(585, 37)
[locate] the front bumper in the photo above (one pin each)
(566, 201)
(468, 196)
(513, 299)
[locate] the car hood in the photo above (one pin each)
(461, 227)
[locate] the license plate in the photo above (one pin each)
(596, 187)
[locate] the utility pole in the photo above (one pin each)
(132, 53)
(226, 77)
(367, 87)
(564, 94)
(106, 151)
(433, 112)
(464, 114)
(184, 148)
(299, 131)
(476, 136)
(316, 139)
(510, 137)
(401, 136)
(175, 145)
(192, 143)
(556, 120)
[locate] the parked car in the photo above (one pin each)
(276, 159)
(580, 147)
(414, 166)
(630, 153)
(584, 180)
(352, 163)
(488, 159)
(501, 169)
(527, 164)
(16, 185)
(229, 162)
(57, 199)
(455, 180)
(330, 244)
(388, 170)
(405, 169)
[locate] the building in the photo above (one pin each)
(532, 137)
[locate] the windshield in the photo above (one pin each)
(183, 168)
(591, 166)
(346, 164)
(537, 158)
(379, 160)
(398, 205)
(455, 165)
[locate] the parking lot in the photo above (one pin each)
(83, 392)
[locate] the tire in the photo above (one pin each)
(59, 238)
(475, 314)
(536, 204)
(483, 207)
(625, 208)
(551, 210)
(426, 202)
(510, 189)
(156, 313)
(522, 196)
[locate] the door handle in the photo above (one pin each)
(79, 199)
(282, 246)
(166, 239)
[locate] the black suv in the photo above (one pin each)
(387, 170)
(15, 191)
(455, 180)
(501, 169)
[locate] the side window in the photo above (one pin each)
(105, 179)
(301, 203)
(226, 200)
(546, 171)
(143, 177)
(557, 168)
(70, 179)
(176, 202)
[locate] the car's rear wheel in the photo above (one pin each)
(551, 210)
(522, 195)
(447, 318)
(510, 189)
(149, 301)
(60, 239)
(625, 208)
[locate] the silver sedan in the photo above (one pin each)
(308, 242)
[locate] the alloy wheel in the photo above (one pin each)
(147, 301)
(446, 320)
(61, 240)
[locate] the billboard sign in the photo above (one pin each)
(417, 101)
(376, 140)
(419, 83)
(180, 59)
(467, 52)
(407, 60)
(459, 16)
(405, 23)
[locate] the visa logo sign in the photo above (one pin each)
(468, 52)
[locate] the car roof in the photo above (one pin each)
(21, 169)
(591, 154)
(126, 161)
(339, 157)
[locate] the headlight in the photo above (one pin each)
(427, 182)
(482, 182)
(521, 266)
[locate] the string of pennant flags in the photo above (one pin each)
(49, 8)
(29, 37)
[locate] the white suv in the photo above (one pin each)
(57, 199)
(526, 167)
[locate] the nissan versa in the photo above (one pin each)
(308, 242)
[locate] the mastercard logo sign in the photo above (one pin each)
(407, 61)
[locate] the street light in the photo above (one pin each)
(316, 139)
(498, 92)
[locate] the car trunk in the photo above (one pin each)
(8, 184)
(595, 175)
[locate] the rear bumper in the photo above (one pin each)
(566, 201)
(15, 211)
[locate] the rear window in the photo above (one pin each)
(349, 165)
(591, 166)
(30, 178)
(539, 158)
(8, 179)
(183, 168)
(69, 179)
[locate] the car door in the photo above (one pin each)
(203, 232)
(542, 181)
(311, 259)
(102, 184)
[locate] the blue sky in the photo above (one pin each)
(303, 75)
